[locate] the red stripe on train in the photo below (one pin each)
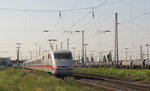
(48, 66)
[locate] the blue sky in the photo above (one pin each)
(19, 24)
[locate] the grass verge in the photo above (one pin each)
(140, 74)
(27, 80)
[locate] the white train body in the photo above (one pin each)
(58, 62)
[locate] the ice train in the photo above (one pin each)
(57, 62)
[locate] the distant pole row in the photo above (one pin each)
(126, 52)
(18, 47)
(51, 41)
(147, 51)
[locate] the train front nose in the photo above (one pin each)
(64, 70)
(63, 63)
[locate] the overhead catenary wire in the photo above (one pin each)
(130, 19)
(110, 15)
(32, 10)
(93, 8)
(101, 21)
(136, 17)
(66, 10)
(83, 17)
(102, 4)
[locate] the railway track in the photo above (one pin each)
(109, 83)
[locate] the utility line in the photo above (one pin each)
(135, 23)
(83, 17)
(102, 4)
(86, 15)
(111, 15)
(136, 17)
(77, 9)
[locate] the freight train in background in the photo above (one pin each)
(5, 62)
(139, 64)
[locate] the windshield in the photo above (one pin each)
(62, 55)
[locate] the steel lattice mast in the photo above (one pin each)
(116, 40)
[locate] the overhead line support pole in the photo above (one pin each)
(67, 43)
(147, 51)
(18, 44)
(116, 57)
(82, 46)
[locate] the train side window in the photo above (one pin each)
(49, 56)
(43, 57)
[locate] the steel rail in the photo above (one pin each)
(96, 85)
(114, 81)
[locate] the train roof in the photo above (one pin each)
(52, 51)
(61, 51)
